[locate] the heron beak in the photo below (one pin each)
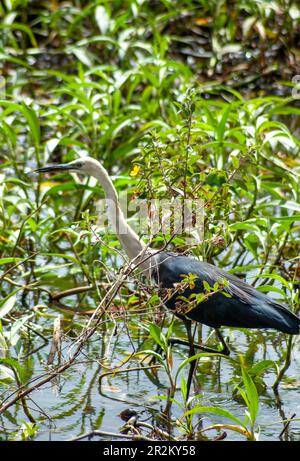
(62, 167)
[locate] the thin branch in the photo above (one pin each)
(286, 365)
(287, 425)
(86, 333)
(127, 370)
(110, 434)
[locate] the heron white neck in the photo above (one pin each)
(127, 236)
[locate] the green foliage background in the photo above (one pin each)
(201, 96)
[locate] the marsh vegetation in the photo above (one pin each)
(189, 99)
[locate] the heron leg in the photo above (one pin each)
(224, 351)
(190, 343)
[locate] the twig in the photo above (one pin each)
(70, 292)
(157, 430)
(23, 224)
(23, 400)
(111, 434)
(115, 372)
(286, 365)
(16, 265)
(85, 335)
(56, 342)
(286, 425)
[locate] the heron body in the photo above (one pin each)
(245, 307)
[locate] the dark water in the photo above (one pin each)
(74, 403)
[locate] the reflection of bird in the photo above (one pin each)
(237, 304)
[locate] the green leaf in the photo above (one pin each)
(273, 276)
(165, 398)
(269, 288)
(83, 55)
(150, 352)
(10, 260)
(102, 18)
(235, 162)
(214, 410)
(33, 123)
(7, 305)
(6, 374)
(216, 286)
(289, 219)
(251, 395)
(222, 125)
(199, 356)
(262, 366)
(207, 286)
(183, 388)
(13, 335)
(157, 335)
(16, 181)
(23, 28)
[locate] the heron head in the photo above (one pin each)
(84, 165)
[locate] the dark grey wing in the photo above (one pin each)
(246, 307)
